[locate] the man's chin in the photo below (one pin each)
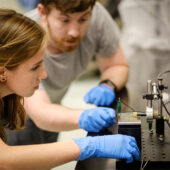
(68, 48)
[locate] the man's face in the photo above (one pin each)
(66, 31)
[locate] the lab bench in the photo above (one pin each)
(155, 155)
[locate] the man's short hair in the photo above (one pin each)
(67, 6)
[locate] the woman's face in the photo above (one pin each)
(25, 79)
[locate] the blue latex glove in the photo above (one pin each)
(96, 119)
(109, 146)
(102, 95)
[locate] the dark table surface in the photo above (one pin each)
(128, 98)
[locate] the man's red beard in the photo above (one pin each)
(60, 42)
(68, 48)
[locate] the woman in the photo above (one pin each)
(22, 48)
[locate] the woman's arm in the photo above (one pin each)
(41, 157)
(50, 116)
(47, 156)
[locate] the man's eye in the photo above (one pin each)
(83, 20)
(35, 68)
(65, 20)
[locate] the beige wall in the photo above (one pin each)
(12, 4)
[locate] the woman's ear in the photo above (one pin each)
(3, 76)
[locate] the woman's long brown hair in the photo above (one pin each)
(20, 39)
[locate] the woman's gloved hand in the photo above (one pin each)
(96, 119)
(109, 146)
(101, 95)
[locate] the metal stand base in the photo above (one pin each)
(155, 155)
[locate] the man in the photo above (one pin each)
(76, 30)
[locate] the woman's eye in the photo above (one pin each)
(35, 68)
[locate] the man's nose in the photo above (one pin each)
(74, 30)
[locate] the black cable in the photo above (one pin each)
(162, 101)
(167, 121)
(161, 74)
(141, 112)
(165, 107)
(128, 106)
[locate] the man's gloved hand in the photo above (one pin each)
(101, 95)
(109, 146)
(96, 119)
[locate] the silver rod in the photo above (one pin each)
(149, 91)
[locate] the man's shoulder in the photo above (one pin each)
(98, 9)
(98, 6)
(99, 16)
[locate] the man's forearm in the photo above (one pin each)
(114, 68)
(117, 74)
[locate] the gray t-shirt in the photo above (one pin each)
(102, 39)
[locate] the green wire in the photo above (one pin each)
(150, 125)
(119, 106)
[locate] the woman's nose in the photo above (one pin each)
(43, 74)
